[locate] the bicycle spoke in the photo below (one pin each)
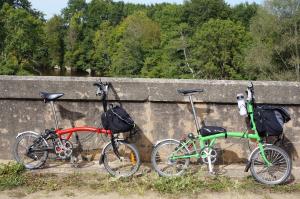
(279, 169)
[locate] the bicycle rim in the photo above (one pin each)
(162, 162)
(279, 170)
(23, 145)
(126, 164)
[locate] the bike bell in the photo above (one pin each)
(241, 104)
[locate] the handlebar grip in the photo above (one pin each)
(100, 84)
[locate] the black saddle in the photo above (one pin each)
(50, 96)
(189, 91)
(211, 130)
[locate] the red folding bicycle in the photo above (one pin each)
(119, 157)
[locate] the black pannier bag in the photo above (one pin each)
(117, 120)
(269, 120)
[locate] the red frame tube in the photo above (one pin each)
(70, 131)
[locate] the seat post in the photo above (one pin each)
(54, 113)
(194, 113)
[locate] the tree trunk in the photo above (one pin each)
(185, 55)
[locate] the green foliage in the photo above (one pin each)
(11, 175)
(197, 12)
(54, 38)
(275, 53)
(196, 39)
(219, 49)
(74, 6)
(134, 38)
(75, 52)
(244, 12)
(101, 54)
(22, 40)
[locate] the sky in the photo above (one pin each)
(51, 7)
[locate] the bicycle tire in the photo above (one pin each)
(37, 159)
(281, 163)
(129, 159)
(157, 157)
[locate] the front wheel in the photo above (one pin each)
(162, 158)
(276, 173)
(30, 149)
(126, 164)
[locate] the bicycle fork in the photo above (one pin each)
(263, 155)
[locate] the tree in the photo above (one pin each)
(75, 54)
(25, 4)
(102, 44)
(54, 31)
(22, 39)
(104, 10)
(22, 4)
(197, 12)
(135, 38)
(259, 57)
(276, 28)
(73, 7)
(218, 51)
(244, 12)
(288, 14)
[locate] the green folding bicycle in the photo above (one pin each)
(269, 164)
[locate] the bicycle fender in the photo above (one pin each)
(102, 152)
(22, 133)
(169, 139)
(250, 158)
(159, 141)
(257, 148)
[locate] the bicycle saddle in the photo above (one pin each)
(189, 91)
(211, 130)
(50, 96)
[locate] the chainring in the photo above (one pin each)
(65, 151)
(208, 151)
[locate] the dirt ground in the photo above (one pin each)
(92, 194)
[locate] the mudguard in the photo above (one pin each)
(19, 134)
(102, 153)
(250, 158)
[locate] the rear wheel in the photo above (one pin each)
(28, 150)
(276, 173)
(126, 164)
(162, 162)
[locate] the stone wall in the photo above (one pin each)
(158, 110)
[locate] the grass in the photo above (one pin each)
(14, 176)
(11, 175)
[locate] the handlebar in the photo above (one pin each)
(250, 92)
(102, 91)
(102, 88)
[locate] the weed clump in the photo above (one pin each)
(11, 175)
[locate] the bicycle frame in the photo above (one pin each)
(69, 132)
(209, 141)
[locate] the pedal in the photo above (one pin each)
(247, 166)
